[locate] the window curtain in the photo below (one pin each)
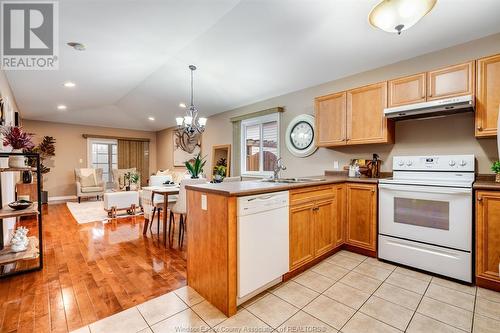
(236, 163)
(134, 154)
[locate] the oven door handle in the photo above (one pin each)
(426, 189)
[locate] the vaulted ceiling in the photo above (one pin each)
(135, 65)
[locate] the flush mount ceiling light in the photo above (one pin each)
(69, 84)
(151, 118)
(399, 15)
(77, 46)
(62, 107)
(182, 105)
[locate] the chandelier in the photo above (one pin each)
(191, 124)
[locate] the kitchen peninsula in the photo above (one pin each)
(324, 214)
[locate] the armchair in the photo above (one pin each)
(89, 183)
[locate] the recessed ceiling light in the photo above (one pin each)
(151, 118)
(77, 46)
(69, 84)
(182, 105)
(62, 107)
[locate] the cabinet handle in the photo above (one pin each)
(480, 199)
(479, 128)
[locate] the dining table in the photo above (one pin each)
(164, 191)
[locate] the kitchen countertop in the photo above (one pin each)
(486, 182)
(251, 187)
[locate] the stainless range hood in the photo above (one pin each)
(436, 108)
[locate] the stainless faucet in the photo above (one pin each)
(278, 167)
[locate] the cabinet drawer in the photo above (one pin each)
(307, 194)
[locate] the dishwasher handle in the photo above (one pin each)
(264, 197)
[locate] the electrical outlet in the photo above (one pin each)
(336, 165)
(80, 160)
(203, 202)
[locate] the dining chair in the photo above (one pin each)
(180, 208)
(158, 199)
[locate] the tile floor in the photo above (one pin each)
(347, 293)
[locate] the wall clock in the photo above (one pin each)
(299, 136)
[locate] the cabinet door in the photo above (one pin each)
(331, 120)
(362, 216)
(325, 226)
(301, 234)
(451, 81)
(488, 96)
(341, 214)
(365, 115)
(487, 234)
(407, 90)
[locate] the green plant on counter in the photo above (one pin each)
(495, 167)
(195, 166)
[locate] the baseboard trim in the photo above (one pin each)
(63, 198)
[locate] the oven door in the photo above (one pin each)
(429, 214)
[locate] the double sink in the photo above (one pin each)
(293, 180)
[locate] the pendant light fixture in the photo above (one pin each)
(399, 15)
(191, 124)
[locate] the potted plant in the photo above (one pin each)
(195, 166)
(219, 173)
(495, 167)
(16, 138)
(133, 180)
(47, 149)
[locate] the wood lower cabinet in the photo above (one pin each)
(313, 223)
(365, 115)
(488, 96)
(407, 90)
(488, 239)
(341, 214)
(325, 226)
(361, 219)
(331, 120)
(452, 81)
(301, 234)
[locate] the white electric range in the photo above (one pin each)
(425, 214)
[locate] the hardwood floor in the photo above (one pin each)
(91, 271)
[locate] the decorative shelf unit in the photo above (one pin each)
(13, 263)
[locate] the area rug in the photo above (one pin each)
(92, 211)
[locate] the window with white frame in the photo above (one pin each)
(259, 145)
(103, 154)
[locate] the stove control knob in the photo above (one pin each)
(452, 163)
(409, 162)
(463, 163)
(401, 163)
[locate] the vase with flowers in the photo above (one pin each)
(16, 138)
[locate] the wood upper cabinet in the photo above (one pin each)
(488, 235)
(488, 96)
(407, 90)
(301, 234)
(362, 216)
(365, 115)
(331, 120)
(325, 226)
(452, 81)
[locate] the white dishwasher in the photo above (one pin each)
(262, 242)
